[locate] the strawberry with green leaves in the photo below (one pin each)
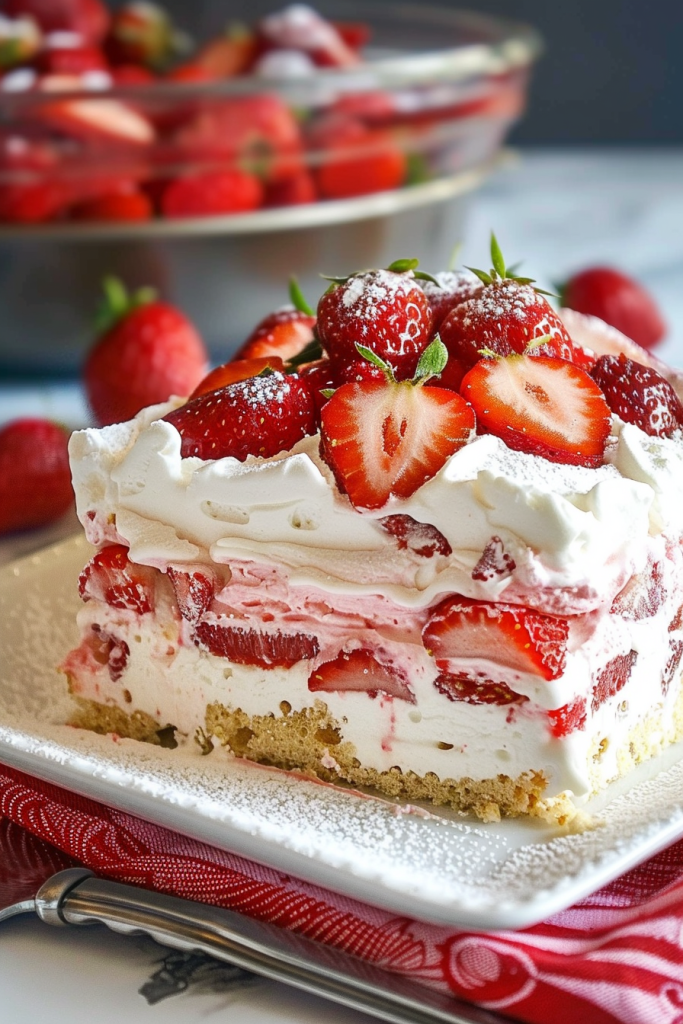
(384, 310)
(146, 352)
(385, 438)
(506, 316)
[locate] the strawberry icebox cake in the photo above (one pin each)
(425, 540)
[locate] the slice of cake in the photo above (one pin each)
(450, 570)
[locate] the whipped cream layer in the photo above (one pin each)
(575, 535)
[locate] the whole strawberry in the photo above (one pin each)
(619, 301)
(147, 352)
(504, 316)
(260, 416)
(638, 394)
(384, 310)
(35, 481)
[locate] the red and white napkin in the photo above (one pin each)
(614, 958)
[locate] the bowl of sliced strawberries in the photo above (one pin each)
(208, 153)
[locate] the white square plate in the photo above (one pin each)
(435, 866)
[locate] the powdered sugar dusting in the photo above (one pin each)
(432, 866)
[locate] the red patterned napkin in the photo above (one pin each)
(614, 958)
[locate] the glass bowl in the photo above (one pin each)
(329, 170)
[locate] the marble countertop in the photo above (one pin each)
(558, 212)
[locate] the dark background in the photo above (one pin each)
(612, 71)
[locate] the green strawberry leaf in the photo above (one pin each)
(497, 257)
(297, 298)
(432, 361)
(403, 266)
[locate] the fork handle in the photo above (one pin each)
(77, 897)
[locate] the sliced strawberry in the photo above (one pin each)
(111, 577)
(382, 439)
(284, 333)
(494, 563)
(260, 416)
(246, 646)
(459, 686)
(568, 718)
(643, 595)
(385, 310)
(509, 635)
(99, 118)
(109, 650)
(194, 591)
(672, 664)
(421, 538)
(638, 394)
(612, 678)
(212, 193)
(362, 671)
(448, 289)
(540, 405)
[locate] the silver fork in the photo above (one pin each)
(75, 896)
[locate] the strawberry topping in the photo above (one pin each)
(260, 416)
(383, 440)
(504, 318)
(540, 405)
(284, 333)
(234, 371)
(247, 646)
(111, 577)
(449, 289)
(384, 310)
(361, 670)
(510, 635)
(639, 394)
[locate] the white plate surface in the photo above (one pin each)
(433, 866)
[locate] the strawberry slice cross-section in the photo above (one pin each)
(509, 635)
(540, 405)
(361, 670)
(385, 438)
